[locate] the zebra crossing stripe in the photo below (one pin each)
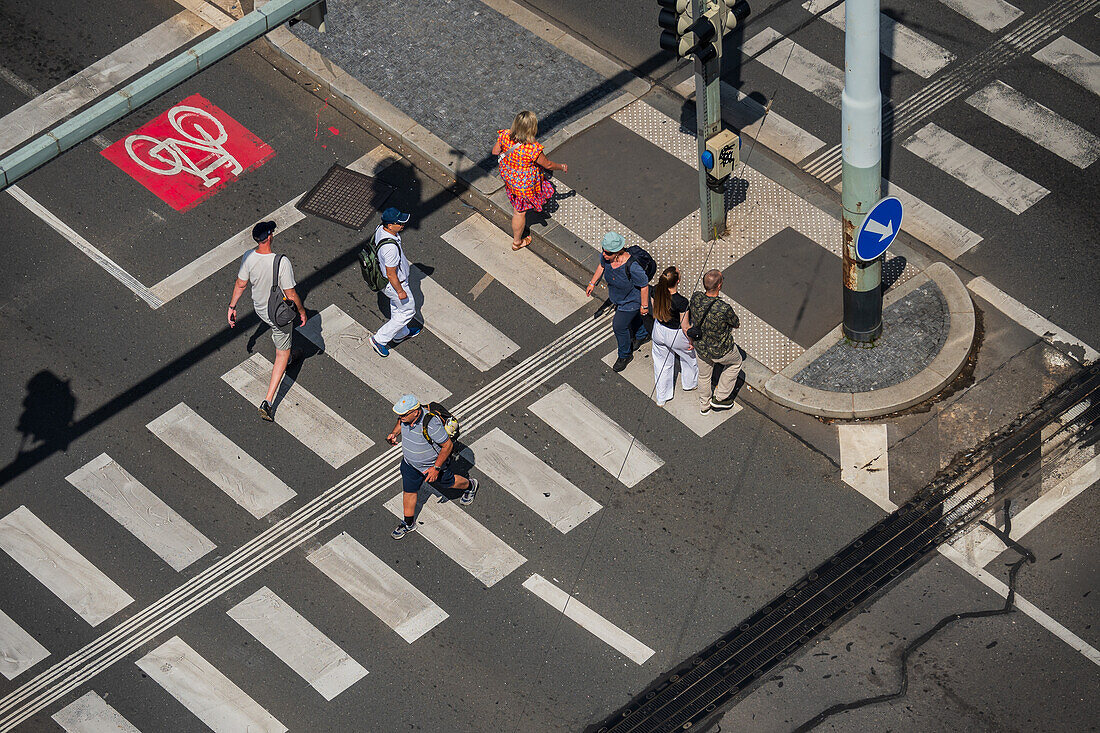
(588, 619)
(57, 565)
(463, 539)
(596, 435)
(535, 282)
(92, 714)
(157, 525)
(19, 651)
(301, 414)
(458, 325)
(797, 64)
(993, 15)
(984, 174)
(1073, 61)
(1038, 123)
(288, 533)
(345, 340)
(519, 472)
(910, 49)
(200, 687)
(929, 224)
(298, 643)
(244, 479)
(380, 588)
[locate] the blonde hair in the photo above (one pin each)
(525, 127)
(662, 298)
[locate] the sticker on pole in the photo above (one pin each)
(879, 227)
(189, 152)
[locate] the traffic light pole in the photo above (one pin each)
(861, 176)
(708, 122)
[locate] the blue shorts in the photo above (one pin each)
(412, 479)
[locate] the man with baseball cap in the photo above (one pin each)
(391, 255)
(425, 456)
(257, 267)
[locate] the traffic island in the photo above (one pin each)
(928, 333)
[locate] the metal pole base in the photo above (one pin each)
(863, 314)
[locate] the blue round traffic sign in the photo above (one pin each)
(878, 229)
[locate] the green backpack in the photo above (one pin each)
(371, 268)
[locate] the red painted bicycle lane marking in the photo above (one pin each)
(188, 153)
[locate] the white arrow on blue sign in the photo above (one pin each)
(879, 227)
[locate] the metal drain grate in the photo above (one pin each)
(700, 689)
(345, 197)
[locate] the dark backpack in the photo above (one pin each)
(645, 259)
(371, 267)
(450, 422)
(280, 310)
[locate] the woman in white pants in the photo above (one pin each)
(670, 341)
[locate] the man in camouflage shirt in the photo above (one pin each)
(716, 320)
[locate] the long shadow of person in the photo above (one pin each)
(48, 409)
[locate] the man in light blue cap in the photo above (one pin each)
(628, 289)
(391, 256)
(425, 456)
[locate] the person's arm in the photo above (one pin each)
(238, 291)
(595, 279)
(551, 165)
(392, 437)
(496, 147)
(391, 275)
(292, 295)
(645, 299)
(445, 449)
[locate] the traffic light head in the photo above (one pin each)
(675, 19)
(736, 11)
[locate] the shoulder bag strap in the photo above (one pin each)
(275, 273)
(706, 310)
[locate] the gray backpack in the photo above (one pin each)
(280, 310)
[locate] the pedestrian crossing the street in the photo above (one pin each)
(301, 414)
(57, 565)
(239, 475)
(200, 687)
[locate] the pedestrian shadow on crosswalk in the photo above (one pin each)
(47, 417)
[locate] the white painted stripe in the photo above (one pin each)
(31, 91)
(993, 15)
(239, 475)
(57, 565)
(1032, 321)
(589, 620)
(545, 289)
(212, 697)
(1038, 123)
(157, 525)
(345, 340)
(301, 414)
(930, 225)
(298, 643)
(519, 472)
(91, 714)
(864, 464)
(910, 49)
(19, 651)
(596, 435)
(112, 267)
(70, 95)
(211, 14)
(799, 65)
(369, 580)
(1037, 511)
(1073, 61)
(772, 130)
(684, 406)
(459, 326)
(1027, 607)
(229, 251)
(963, 161)
(463, 539)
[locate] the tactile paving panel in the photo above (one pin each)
(346, 197)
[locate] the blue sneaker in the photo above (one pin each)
(414, 331)
(378, 348)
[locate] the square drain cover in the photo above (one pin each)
(345, 197)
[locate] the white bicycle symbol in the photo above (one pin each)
(167, 157)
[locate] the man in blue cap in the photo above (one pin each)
(425, 456)
(391, 255)
(628, 289)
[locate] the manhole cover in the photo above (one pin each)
(345, 197)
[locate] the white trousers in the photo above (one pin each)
(670, 344)
(401, 312)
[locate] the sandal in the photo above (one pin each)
(522, 243)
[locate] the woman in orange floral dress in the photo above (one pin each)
(523, 168)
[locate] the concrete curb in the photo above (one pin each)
(932, 379)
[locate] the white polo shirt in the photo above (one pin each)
(393, 255)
